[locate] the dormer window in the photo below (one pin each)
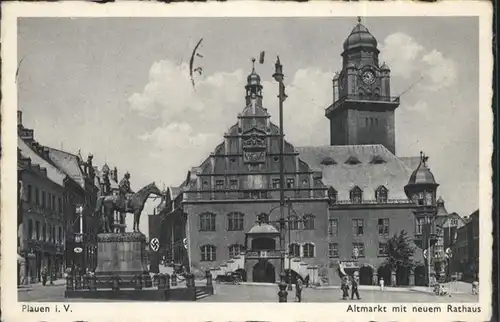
(356, 195)
(377, 160)
(328, 161)
(332, 196)
(381, 194)
(352, 161)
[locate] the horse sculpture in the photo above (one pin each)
(107, 205)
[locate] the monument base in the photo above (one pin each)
(121, 261)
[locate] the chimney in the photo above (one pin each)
(19, 118)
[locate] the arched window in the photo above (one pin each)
(30, 229)
(61, 237)
(294, 223)
(207, 222)
(308, 250)
(294, 250)
(37, 230)
(207, 253)
(332, 196)
(235, 221)
(44, 232)
(381, 194)
(235, 250)
(356, 195)
(309, 222)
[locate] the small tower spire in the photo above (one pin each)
(359, 19)
(253, 65)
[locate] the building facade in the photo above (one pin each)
(53, 185)
(465, 250)
(41, 210)
(344, 200)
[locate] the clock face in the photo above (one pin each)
(368, 77)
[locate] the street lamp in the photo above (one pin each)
(278, 77)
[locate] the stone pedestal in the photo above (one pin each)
(121, 255)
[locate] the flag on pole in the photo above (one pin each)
(261, 57)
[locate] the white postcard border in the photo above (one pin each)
(134, 311)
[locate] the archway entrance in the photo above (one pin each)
(384, 272)
(365, 275)
(403, 276)
(420, 275)
(263, 272)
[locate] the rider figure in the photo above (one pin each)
(124, 189)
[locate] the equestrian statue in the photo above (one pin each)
(125, 202)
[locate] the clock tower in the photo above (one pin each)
(363, 109)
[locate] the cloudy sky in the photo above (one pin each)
(119, 88)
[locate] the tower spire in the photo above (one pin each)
(253, 65)
(359, 19)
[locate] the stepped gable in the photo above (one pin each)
(388, 171)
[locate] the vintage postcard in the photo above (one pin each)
(246, 161)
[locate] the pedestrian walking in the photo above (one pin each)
(354, 289)
(44, 276)
(345, 288)
(306, 280)
(298, 290)
(381, 282)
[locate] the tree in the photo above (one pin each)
(400, 252)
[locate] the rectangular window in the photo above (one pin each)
(309, 222)
(383, 226)
(357, 227)
(28, 194)
(234, 183)
(53, 203)
(37, 230)
(43, 199)
(60, 206)
(333, 250)
(358, 250)
(235, 221)
(219, 184)
(333, 228)
(207, 253)
(419, 226)
(382, 249)
(37, 197)
(290, 183)
(276, 183)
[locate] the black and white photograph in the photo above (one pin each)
(333, 157)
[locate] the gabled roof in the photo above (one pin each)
(53, 173)
(392, 174)
(68, 163)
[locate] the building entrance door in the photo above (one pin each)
(263, 272)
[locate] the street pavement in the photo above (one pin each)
(268, 293)
(252, 293)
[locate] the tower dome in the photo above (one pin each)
(253, 78)
(422, 175)
(105, 168)
(360, 37)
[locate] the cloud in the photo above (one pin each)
(194, 121)
(418, 106)
(410, 60)
(400, 51)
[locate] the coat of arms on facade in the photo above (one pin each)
(254, 148)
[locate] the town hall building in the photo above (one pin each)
(344, 200)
